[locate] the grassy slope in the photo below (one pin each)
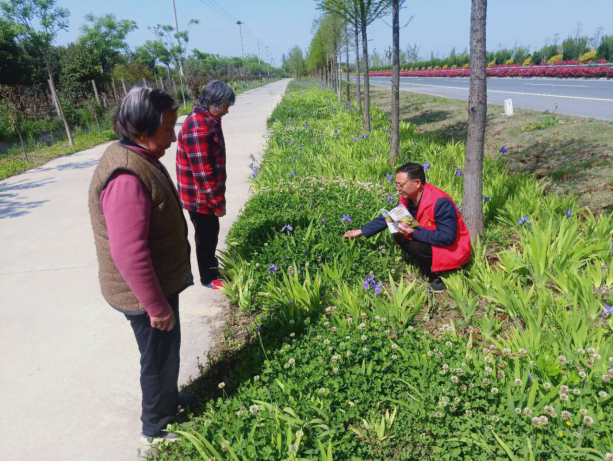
(576, 152)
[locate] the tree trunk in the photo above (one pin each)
(365, 59)
(124, 85)
(96, 92)
(394, 122)
(59, 107)
(23, 146)
(474, 157)
(347, 64)
(114, 91)
(358, 98)
(339, 70)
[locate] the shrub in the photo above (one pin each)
(555, 59)
(527, 61)
(509, 61)
(604, 51)
(588, 57)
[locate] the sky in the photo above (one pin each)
(437, 25)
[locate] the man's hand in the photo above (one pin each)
(405, 229)
(352, 234)
(221, 213)
(166, 320)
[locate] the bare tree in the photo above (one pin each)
(360, 13)
(474, 157)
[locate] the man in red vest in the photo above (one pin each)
(441, 240)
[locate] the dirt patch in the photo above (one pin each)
(573, 153)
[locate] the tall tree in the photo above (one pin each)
(41, 20)
(474, 157)
(296, 62)
(106, 37)
(362, 13)
(394, 117)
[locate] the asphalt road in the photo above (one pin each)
(584, 98)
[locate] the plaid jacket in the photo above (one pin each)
(201, 163)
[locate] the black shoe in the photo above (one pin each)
(184, 399)
(437, 286)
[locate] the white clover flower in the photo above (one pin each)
(590, 363)
(383, 319)
(362, 326)
(291, 361)
(517, 382)
(485, 351)
(321, 390)
(350, 320)
(603, 394)
(291, 322)
(564, 397)
(468, 413)
(606, 378)
(527, 411)
(328, 309)
(377, 317)
(581, 351)
(522, 351)
(363, 337)
(549, 411)
(596, 357)
(587, 420)
(608, 457)
(468, 357)
(454, 379)
(364, 349)
(471, 385)
(333, 329)
(443, 401)
(221, 385)
(363, 315)
(565, 415)
(486, 382)
(547, 385)
(429, 353)
(591, 351)
(254, 409)
(582, 374)
(394, 357)
(335, 358)
(535, 421)
(330, 348)
(438, 414)
(507, 351)
(488, 359)
(487, 371)
(292, 335)
(445, 367)
(293, 448)
(611, 360)
(348, 353)
(299, 434)
(448, 343)
(326, 324)
(207, 422)
(426, 317)
(335, 370)
(257, 378)
(518, 410)
(394, 346)
(494, 391)
(326, 342)
(583, 411)
(564, 389)
(577, 392)
(495, 419)
(286, 365)
(543, 420)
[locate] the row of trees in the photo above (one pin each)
(569, 49)
(346, 21)
(29, 57)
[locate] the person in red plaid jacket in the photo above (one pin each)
(201, 175)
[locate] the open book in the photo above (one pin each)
(398, 215)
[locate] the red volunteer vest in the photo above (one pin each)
(444, 258)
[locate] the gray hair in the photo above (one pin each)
(216, 93)
(141, 112)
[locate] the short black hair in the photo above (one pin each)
(413, 171)
(216, 93)
(141, 112)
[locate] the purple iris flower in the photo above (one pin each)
(377, 289)
(294, 159)
(252, 156)
(324, 220)
(325, 124)
(426, 166)
(287, 227)
(273, 268)
(369, 279)
(255, 173)
(389, 177)
(503, 150)
(291, 270)
(346, 217)
(299, 148)
(568, 214)
(306, 124)
(524, 219)
(250, 166)
(415, 143)
(304, 252)
(486, 198)
(336, 134)
(293, 173)
(389, 139)
(389, 199)
(607, 310)
(459, 173)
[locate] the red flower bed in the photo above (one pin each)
(559, 70)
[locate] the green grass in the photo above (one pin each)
(316, 366)
(13, 165)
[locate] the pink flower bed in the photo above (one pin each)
(559, 70)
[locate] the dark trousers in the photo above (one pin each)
(206, 231)
(421, 252)
(159, 369)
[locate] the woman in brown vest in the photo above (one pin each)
(142, 246)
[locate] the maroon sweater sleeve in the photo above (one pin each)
(127, 211)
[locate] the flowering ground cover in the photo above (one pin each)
(569, 69)
(342, 365)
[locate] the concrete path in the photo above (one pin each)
(580, 97)
(69, 375)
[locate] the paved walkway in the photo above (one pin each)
(69, 375)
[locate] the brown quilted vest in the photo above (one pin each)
(168, 230)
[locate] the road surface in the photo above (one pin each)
(584, 98)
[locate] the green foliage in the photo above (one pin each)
(105, 36)
(340, 371)
(78, 67)
(604, 51)
(574, 47)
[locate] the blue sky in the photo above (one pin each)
(438, 25)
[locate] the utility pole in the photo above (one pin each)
(239, 23)
(258, 41)
(177, 32)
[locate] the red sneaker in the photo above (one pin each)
(215, 285)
